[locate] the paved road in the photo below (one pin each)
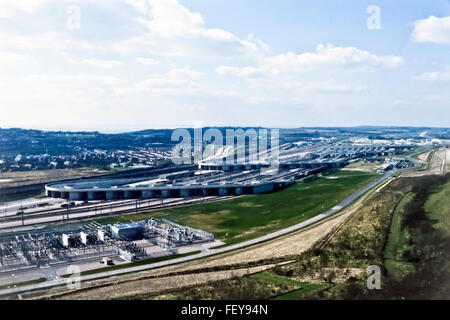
(349, 200)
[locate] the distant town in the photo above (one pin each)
(28, 150)
(31, 150)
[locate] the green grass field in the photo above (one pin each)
(251, 216)
(396, 242)
(306, 288)
(302, 288)
(438, 208)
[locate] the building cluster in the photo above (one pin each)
(84, 158)
(132, 241)
(394, 163)
(23, 150)
(219, 177)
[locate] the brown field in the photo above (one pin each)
(423, 156)
(362, 166)
(145, 286)
(438, 164)
(24, 178)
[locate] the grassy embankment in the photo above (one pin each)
(263, 285)
(438, 208)
(416, 256)
(419, 219)
(251, 216)
(396, 243)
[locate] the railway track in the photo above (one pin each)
(113, 208)
(106, 210)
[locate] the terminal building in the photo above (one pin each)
(218, 178)
(76, 192)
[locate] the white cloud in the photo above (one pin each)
(246, 72)
(95, 63)
(171, 29)
(174, 30)
(170, 19)
(261, 43)
(8, 7)
(334, 87)
(110, 56)
(432, 29)
(147, 61)
(443, 75)
(294, 86)
(82, 79)
(8, 59)
(324, 57)
(47, 40)
(185, 72)
(179, 81)
(106, 64)
(141, 5)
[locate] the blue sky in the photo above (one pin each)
(117, 65)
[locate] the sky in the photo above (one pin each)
(123, 65)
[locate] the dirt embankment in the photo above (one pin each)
(144, 287)
(436, 162)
